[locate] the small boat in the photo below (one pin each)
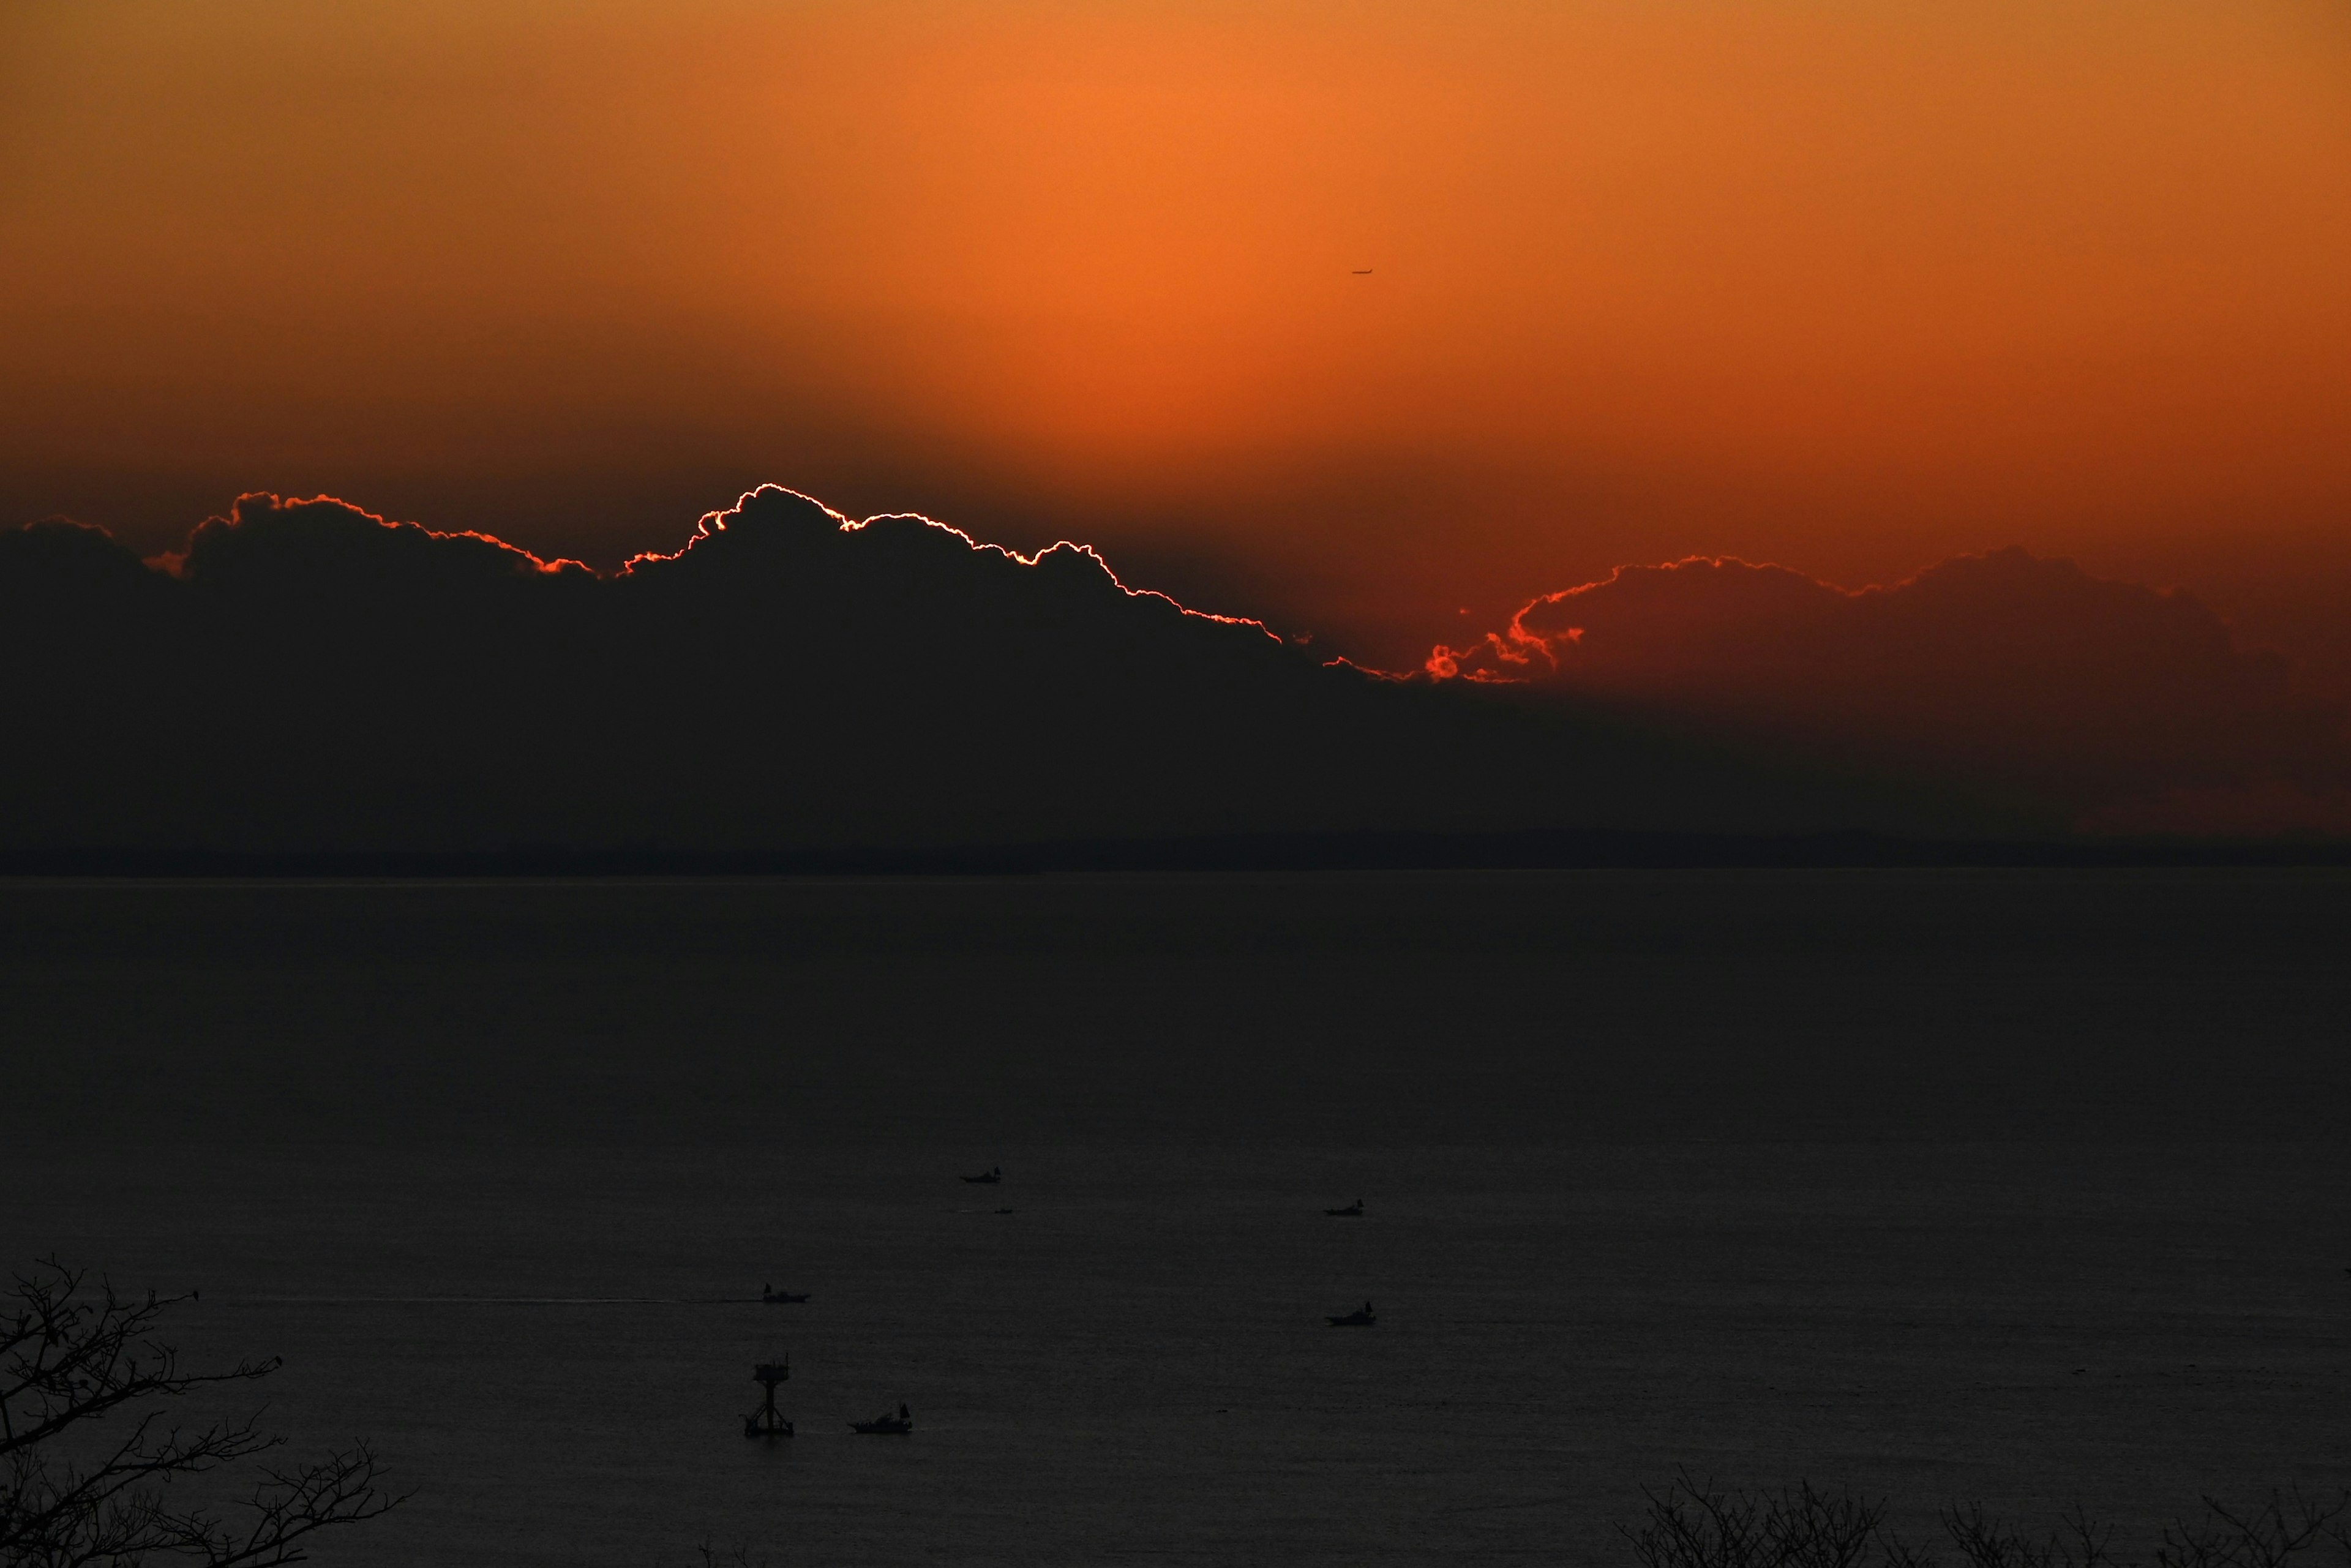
(1352, 1211)
(1361, 1317)
(886, 1425)
(775, 1298)
(988, 1177)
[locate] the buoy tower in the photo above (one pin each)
(766, 1421)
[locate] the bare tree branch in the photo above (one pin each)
(72, 1357)
(1690, 1525)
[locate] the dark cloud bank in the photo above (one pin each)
(2112, 706)
(308, 679)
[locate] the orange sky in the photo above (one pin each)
(1848, 285)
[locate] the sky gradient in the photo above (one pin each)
(1845, 286)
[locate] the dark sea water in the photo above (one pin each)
(2021, 1188)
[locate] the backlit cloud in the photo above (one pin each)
(305, 676)
(2002, 668)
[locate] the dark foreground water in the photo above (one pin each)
(2019, 1187)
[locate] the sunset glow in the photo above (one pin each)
(1845, 286)
(1363, 783)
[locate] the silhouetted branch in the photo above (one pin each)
(2285, 1523)
(707, 1555)
(1986, 1542)
(1690, 1525)
(72, 1357)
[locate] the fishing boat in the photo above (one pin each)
(775, 1298)
(987, 1178)
(1352, 1211)
(886, 1425)
(1361, 1317)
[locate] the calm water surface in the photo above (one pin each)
(2023, 1188)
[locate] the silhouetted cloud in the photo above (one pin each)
(306, 675)
(323, 545)
(2135, 710)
